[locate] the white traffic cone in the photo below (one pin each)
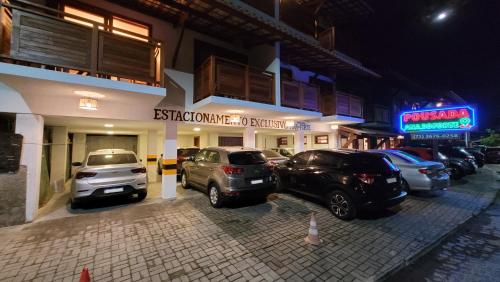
(313, 237)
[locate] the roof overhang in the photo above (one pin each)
(365, 132)
(235, 21)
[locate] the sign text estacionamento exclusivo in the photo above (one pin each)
(224, 119)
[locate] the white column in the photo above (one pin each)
(298, 141)
(152, 157)
(142, 148)
(78, 150)
(31, 127)
(58, 157)
(169, 172)
(333, 139)
(249, 137)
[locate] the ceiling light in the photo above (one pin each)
(401, 137)
(439, 104)
(334, 126)
(111, 132)
(87, 103)
(235, 111)
(90, 94)
(442, 16)
(256, 131)
(109, 125)
(196, 129)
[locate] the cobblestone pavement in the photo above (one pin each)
(471, 254)
(188, 240)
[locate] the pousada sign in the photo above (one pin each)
(440, 119)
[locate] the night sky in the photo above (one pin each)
(460, 53)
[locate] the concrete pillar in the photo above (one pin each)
(333, 139)
(58, 157)
(169, 171)
(152, 157)
(142, 148)
(249, 137)
(31, 127)
(78, 152)
(298, 141)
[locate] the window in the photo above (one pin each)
(282, 141)
(131, 27)
(247, 158)
(201, 156)
(321, 139)
(213, 157)
(83, 14)
(326, 159)
(301, 158)
(111, 159)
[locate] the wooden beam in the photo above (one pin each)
(381, 142)
(183, 19)
(350, 139)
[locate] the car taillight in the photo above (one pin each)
(367, 178)
(232, 170)
(82, 174)
(139, 170)
(424, 171)
(181, 158)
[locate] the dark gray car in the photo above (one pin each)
(228, 172)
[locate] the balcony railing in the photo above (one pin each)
(39, 36)
(343, 104)
(300, 95)
(226, 78)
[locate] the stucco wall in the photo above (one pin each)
(13, 197)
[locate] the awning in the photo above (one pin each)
(237, 21)
(366, 132)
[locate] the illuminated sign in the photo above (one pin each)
(441, 119)
(436, 136)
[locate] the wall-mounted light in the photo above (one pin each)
(400, 137)
(109, 125)
(334, 126)
(439, 104)
(87, 103)
(110, 132)
(196, 129)
(235, 111)
(289, 123)
(234, 118)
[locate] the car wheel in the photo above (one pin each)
(342, 206)
(141, 195)
(214, 195)
(405, 186)
(456, 173)
(184, 180)
(73, 205)
(279, 184)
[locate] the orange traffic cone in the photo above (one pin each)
(84, 275)
(313, 237)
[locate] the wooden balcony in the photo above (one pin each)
(343, 104)
(300, 95)
(39, 36)
(226, 78)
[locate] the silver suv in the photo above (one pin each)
(228, 172)
(110, 172)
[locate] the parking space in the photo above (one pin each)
(188, 239)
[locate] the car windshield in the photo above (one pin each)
(271, 154)
(247, 158)
(111, 159)
(187, 152)
(285, 153)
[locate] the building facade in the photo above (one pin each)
(153, 76)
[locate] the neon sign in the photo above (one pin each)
(440, 119)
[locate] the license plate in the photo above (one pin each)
(257, 181)
(391, 180)
(114, 190)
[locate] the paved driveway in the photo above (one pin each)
(189, 240)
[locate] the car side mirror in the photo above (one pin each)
(76, 164)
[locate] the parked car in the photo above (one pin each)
(492, 155)
(418, 174)
(228, 173)
(182, 155)
(286, 152)
(456, 167)
(274, 157)
(345, 180)
(453, 152)
(478, 155)
(107, 173)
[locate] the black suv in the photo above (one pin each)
(346, 180)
